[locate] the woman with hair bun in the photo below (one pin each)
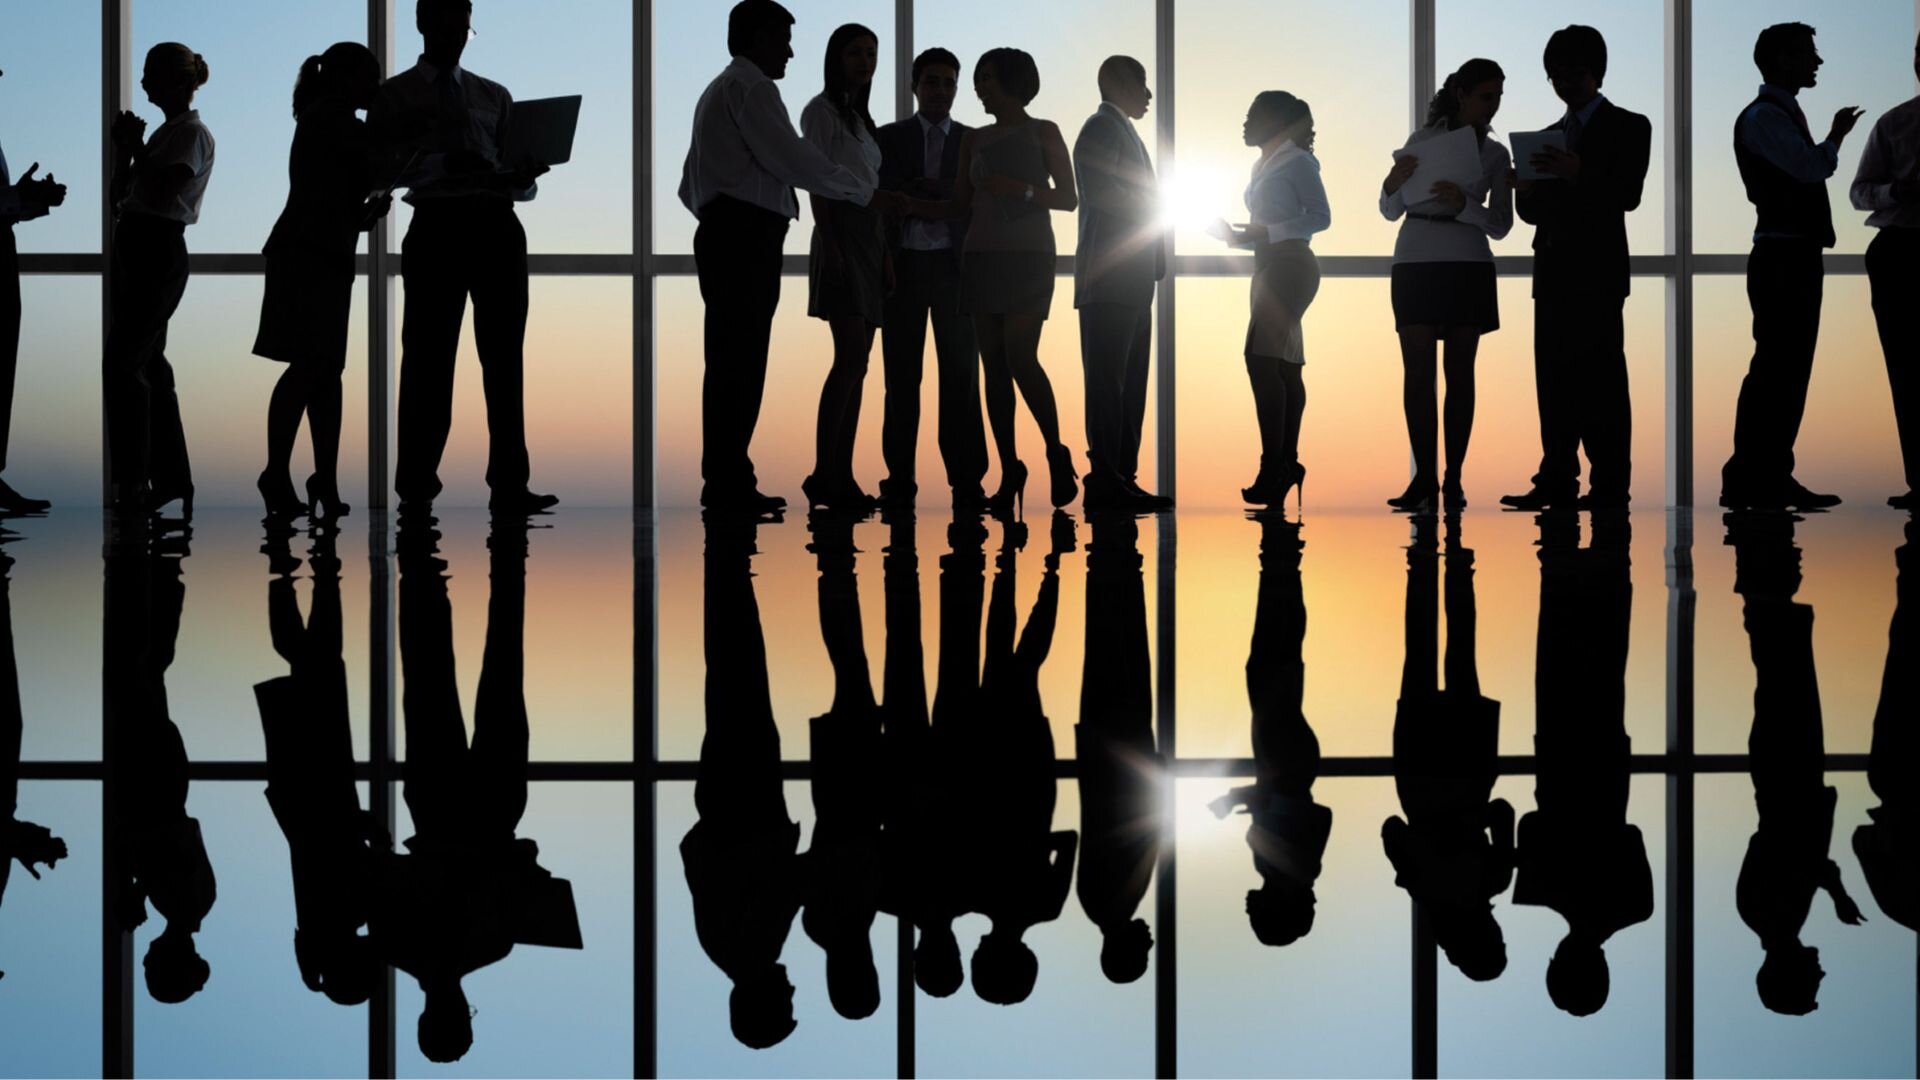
(158, 184)
(309, 290)
(1443, 281)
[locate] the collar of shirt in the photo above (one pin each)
(945, 125)
(191, 115)
(1289, 151)
(746, 71)
(432, 73)
(1585, 113)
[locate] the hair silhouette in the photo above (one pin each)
(1576, 46)
(851, 101)
(1777, 43)
(750, 19)
(1285, 109)
(1015, 70)
(331, 73)
(1446, 101)
(931, 57)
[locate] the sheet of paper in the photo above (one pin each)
(1454, 156)
(1528, 143)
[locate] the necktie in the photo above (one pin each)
(936, 152)
(453, 113)
(1572, 128)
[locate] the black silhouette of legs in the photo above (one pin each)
(1279, 401)
(1893, 268)
(311, 390)
(1010, 356)
(736, 252)
(1580, 378)
(1785, 281)
(1115, 348)
(146, 442)
(9, 334)
(840, 398)
(927, 289)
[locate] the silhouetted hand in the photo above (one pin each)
(1003, 187)
(128, 132)
(1450, 194)
(1843, 122)
(1558, 163)
(1402, 170)
(36, 844)
(43, 191)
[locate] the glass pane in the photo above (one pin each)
(55, 449)
(53, 90)
(1336, 1002)
(1868, 63)
(585, 205)
(1515, 37)
(253, 52)
(50, 939)
(53, 586)
(690, 48)
(1349, 63)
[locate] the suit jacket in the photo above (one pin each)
(903, 160)
(1580, 225)
(1122, 253)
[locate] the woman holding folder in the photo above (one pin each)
(1443, 279)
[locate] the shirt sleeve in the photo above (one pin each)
(770, 137)
(1872, 187)
(1495, 216)
(1314, 214)
(1393, 205)
(1769, 132)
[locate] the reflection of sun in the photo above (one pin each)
(1196, 194)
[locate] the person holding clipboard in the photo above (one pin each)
(1443, 279)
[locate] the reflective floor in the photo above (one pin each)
(1197, 795)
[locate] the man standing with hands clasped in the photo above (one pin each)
(1785, 173)
(28, 198)
(1888, 187)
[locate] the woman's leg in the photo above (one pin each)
(858, 344)
(1269, 410)
(323, 423)
(842, 387)
(1463, 344)
(1023, 362)
(1417, 362)
(1292, 381)
(990, 331)
(284, 410)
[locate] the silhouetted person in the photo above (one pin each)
(305, 310)
(1577, 854)
(157, 186)
(1023, 867)
(1120, 769)
(1887, 185)
(1453, 850)
(310, 783)
(740, 857)
(1787, 860)
(1785, 173)
(1888, 843)
(1443, 277)
(742, 165)
(1580, 280)
(31, 845)
(162, 849)
(1120, 260)
(444, 128)
(1287, 204)
(469, 888)
(1286, 829)
(848, 266)
(843, 865)
(24, 200)
(920, 157)
(1012, 175)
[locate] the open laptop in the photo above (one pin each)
(542, 129)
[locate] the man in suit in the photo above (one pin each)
(1580, 280)
(1887, 187)
(1121, 258)
(921, 156)
(1785, 173)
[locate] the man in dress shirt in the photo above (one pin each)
(1121, 258)
(30, 198)
(1888, 186)
(1580, 280)
(921, 156)
(446, 125)
(742, 166)
(1785, 173)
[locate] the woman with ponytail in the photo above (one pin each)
(1443, 281)
(309, 292)
(158, 184)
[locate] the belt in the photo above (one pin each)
(1434, 217)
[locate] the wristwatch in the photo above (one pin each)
(1029, 195)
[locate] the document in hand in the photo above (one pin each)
(1454, 156)
(542, 129)
(1528, 143)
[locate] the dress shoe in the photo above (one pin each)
(1538, 498)
(522, 502)
(1909, 501)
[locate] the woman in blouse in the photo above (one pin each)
(1287, 205)
(847, 263)
(1443, 283)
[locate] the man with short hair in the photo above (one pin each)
(1785, 173)
(1119, 262)
(921, 156)
(1887, 185)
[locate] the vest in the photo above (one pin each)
(1783, 205)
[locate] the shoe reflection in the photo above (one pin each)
(1889, 844)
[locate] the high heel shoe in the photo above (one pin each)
(1011, 498)
(1066, 486)
(12, 502)
(843, 496)
(1452, 495)
(1419, 498)
(159, 497)
(323, 500)
(1268, 489)
(282, 501)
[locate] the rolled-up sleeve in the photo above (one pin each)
(1495, 217)
(1298, 201)
(1772, 134)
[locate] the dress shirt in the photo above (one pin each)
(183, 140)
(1464, 238)
(409, 117)
(923, 234)
(852, 147)
(1892, 154)
(1576, 121)
(1776, 138)
(744, 146)
(1126, 122)
(1286, 196)
(13, 208)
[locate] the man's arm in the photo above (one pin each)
(1108, 182)
(779, 149)
(1615, 179)
(1875, 187)
(1768, 131)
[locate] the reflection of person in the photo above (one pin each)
(1286, 828)
(1443, 280)
(1287, 205)
(32, 845)
(1787, 860)
(1581, 279)
(28, 198)
(1887, 185)
(304, 314)
(1889, 844)
(1120, 770)
(1453, 850)
(158, 184)
(1785, 173)
(1577, 855)
(1121, 258)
